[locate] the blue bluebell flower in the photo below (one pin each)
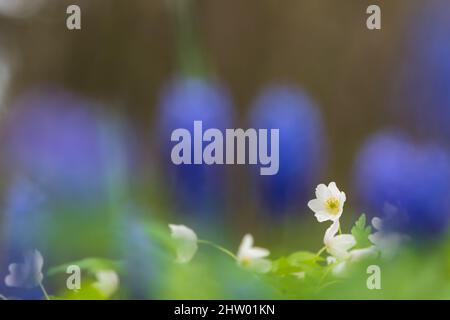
(53, 138)
(406, 183)
(197, 187)
(301, 146)
(425, 77)
(64, 165)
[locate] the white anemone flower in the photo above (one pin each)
(338, 245)
(186, 242)
(355, 255)
(107, 282)
(27, 274)
(251, 257)
(339, 248)
(329, 202)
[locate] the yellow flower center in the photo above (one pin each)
(246, 262)
(332, 205)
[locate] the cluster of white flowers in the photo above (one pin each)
(248, 256)
(328, 206)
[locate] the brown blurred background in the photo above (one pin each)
(126, 51)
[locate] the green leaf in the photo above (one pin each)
(283, 267)
(304, 257)
(361, 233)
(297, 262)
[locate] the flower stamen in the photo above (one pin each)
(332, 205)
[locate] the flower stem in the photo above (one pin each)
(321, 251)
(220, 248)
(44, 291)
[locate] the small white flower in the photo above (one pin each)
(107, 282)
(251, 257)
(387, 242)
(339, 266)
(338, 246)
(186, 242)
(329, 202)
(27, 274)
(357, 255)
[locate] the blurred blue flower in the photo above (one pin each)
(393, 172)
(26, 216)
(60, 142)
(53, 138)
(65, 168)
(425, 78)
(183, 101)
(26, 221)
(301, 145)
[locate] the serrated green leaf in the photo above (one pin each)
(361, 233)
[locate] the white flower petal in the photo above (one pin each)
(344, 241)
(245, 246)
(331, 232)
(251, 257)
(257, 253)
(107, 282)
(323, 216)
(377, 223)
(331, 260)
(375, 238)
(339, 269)
(339, 245)
(335, 193)
(361, 254)
(322, 192)
(186, 242)
(316, 205)
(260, 265)
(342, 198)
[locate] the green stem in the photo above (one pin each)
(321, 251)
(340, 230)
(44, 291)
(220, 248)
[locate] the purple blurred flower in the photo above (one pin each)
(301, 145)
(66, 166)
(58, 141)
(182, 102)
(392, 171)
(425, 77)
(52, 137)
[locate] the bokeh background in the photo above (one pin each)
(86, 117)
